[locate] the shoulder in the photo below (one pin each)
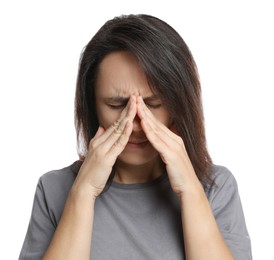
(224, 182)
(227, 209)
(221, 174)
(52, 191)
(58, 177)
(57, 182)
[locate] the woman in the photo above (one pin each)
(145, 186)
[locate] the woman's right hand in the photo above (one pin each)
(72, 238)
(104, 148)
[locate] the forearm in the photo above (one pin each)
(72, 238)
(202, 237)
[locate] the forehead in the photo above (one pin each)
(120, 74)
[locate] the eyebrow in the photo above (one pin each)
(120, 99)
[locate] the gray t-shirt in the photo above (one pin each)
(135, 221)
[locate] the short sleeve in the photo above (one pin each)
(227, 209)
(40, 229)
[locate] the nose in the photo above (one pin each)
(137, 124)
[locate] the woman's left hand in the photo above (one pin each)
(171, 149)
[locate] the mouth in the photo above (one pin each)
(137, 144)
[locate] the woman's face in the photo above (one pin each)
(120, 77)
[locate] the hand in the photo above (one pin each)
(170, 147)
(104, 148)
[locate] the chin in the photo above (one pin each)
(137, 158)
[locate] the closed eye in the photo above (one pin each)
(154, 106)
(121, 106)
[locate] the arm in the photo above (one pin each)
(72, 238)
(202, 237)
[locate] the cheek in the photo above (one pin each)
(163, 116)
(107, 117)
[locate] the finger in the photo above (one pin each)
(125, 113)
(118, 130)
(118, 127)
(161, 145)
(152, 127)
(122, 141)
(153, 135)
(162, 142)
(119, 124)
(145, 114)
(97, 135)
(99, 132)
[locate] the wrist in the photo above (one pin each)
(193, 191)
(83, 192)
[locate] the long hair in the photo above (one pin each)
(170, 70)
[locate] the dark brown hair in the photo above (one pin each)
(170, 69)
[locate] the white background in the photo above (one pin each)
(41, 41)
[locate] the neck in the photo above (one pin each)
(130, 174)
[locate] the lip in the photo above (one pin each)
(137, 144)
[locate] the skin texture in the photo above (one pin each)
(134, 136)
(120, 78)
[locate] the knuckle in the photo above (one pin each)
(96, 151)
(92, 145)
(117, 128)
(117, 144)
(116, 123)
(179, 140)
(118, 131)
(98, 155)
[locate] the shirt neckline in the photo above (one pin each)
(136, 186)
